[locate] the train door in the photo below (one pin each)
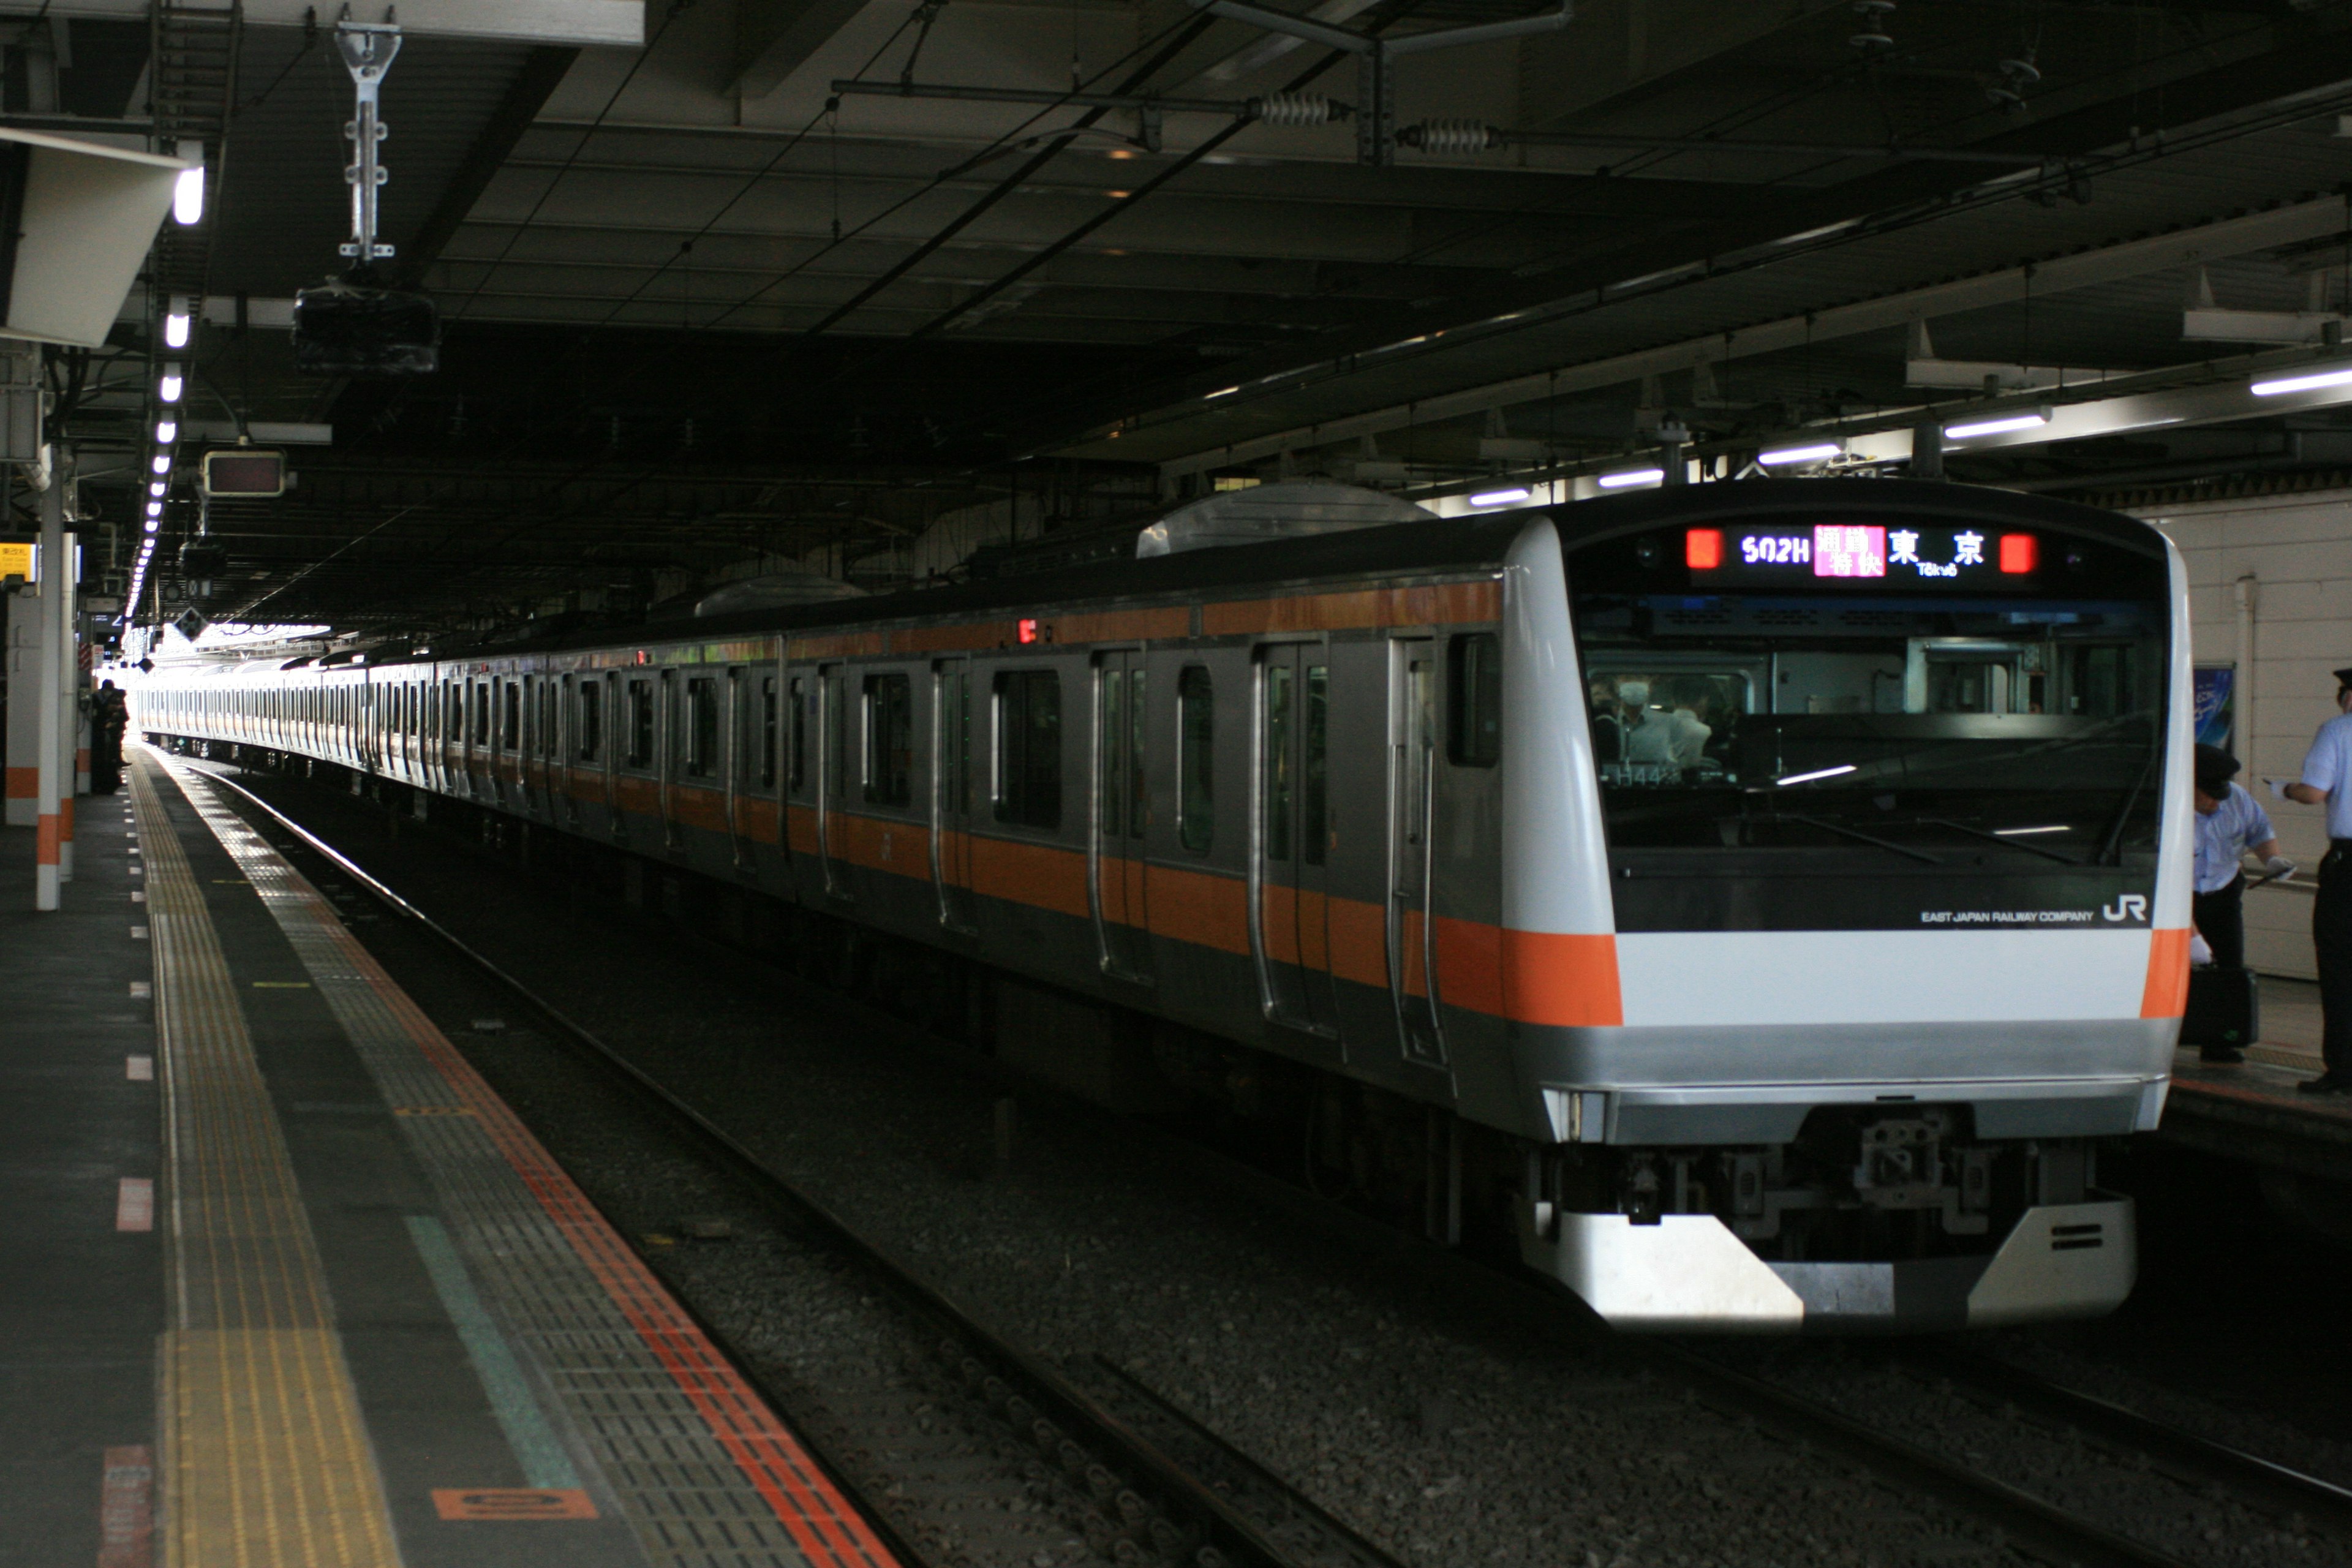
(669, 757)
(1291, 836)
(951, 794)
(1412, 817)
(631, 706)
(567, 747)
(734, 720)
(833, 771)
(1123, 810)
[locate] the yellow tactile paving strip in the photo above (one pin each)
(265, 1458)
(707, 1476)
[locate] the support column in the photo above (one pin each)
(49, 682)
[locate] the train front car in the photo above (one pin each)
(1879, 792)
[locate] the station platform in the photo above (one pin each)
(2251, 1112)
(292, 1286)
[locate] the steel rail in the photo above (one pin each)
(2186, 1454)
(1301, 1514)
(1047, 1409)
(2041, 1528)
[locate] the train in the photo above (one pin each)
(1759, 901)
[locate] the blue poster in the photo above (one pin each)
(2217, 709)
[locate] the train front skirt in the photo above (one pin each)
(1688, 1273)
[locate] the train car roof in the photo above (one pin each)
(1451, 545)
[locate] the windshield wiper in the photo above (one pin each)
(1996, 838)
(1828, 826)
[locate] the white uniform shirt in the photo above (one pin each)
(2328, 767)
(2236, 825)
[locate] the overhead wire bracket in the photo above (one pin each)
(368, 50)
(1376, 103)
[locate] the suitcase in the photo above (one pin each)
(2225, 1009)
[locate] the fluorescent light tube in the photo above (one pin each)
(1812, 454)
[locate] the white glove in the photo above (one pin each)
(2198, 951)
(2278, 788)
(2279, 866)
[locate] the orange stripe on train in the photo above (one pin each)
(2166, 995)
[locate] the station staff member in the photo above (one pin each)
(2328, 780)
(2230, 822)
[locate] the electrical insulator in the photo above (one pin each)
(1291, 109)
(1451, 136)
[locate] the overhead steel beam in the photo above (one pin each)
(774, 38)
(525, 21)
(2229, 236)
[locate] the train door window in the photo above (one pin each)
(1314, 773)
(836, 738)
(641, 724)
(481, 713)
(890, 739)
(452, 729)
(701, 727)
(1196, 762)
(1421, 744)
(1474, 700)
(954, 761)
(768, 718)
(796, 775)
(1029, 747)
(1280, 782)
(510, 716)
(591, 719)
(545, 742)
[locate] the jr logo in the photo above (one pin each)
(2126, 907)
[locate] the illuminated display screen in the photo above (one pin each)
(1853, 551)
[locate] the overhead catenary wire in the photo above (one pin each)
(677, 9)
(1009, 184)
(1009, 141)
(752, 181)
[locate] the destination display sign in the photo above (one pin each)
(1785, 554)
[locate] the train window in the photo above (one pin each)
(796, 777)
(481, 713)
(543, 740)
(510, 716)
(592, 721)
(890, 739)
(641, 724)
(1474, 700)
(1029, 747)
(701, 727)
(452, 729)
(1196, 762)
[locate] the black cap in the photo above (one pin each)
(2214, 770)
(2344, 677)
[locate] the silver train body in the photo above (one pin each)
(1768, 893)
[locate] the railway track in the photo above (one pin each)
(1183, 1494)
(1222, 1510)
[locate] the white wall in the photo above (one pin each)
(2298, 550)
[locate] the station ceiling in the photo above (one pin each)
(810, 281)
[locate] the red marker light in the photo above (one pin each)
(2020, 553)
(1026, 631)
(1702, 549)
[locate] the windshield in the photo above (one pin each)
(1983, 720)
